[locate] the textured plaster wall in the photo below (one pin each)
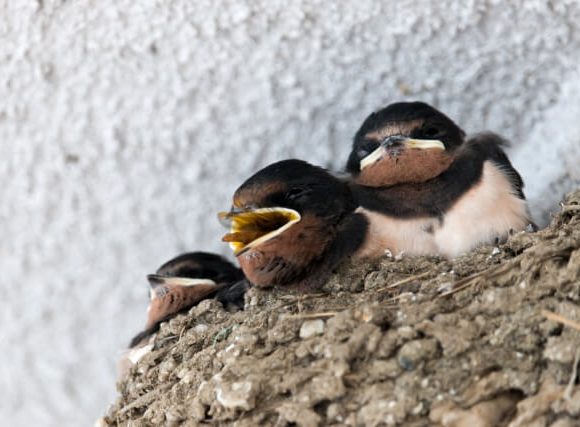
(125, 125)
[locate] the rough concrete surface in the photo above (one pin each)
(124, 127)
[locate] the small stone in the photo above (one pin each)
(374, 314)
(383, 369)
(197, 409)
(445, 287)
(400, 256)
(311, 328)
(237, 395)
(166, 369)
(205, 393)
(382, 412)
(229, 355)
(322, 388)
(135, 354)
(335, 413)
(560, 349)
(185, 375)
(419, 409)
(413, 352)
(387, 345)
(407, 332)
(299, 415)
(283, 332)
(200, 328)
(174, 414)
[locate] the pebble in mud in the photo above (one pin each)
(374, 314)
(322, 388)
(299, 414)
(236, 395)
(384, 369)
(197, 410)
(283, 331)
(414, 352)
(166, 369)
(174, 415)
(311, 328)
(335, 413)
(560, 349)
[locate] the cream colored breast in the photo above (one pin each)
(409, 236)
(486, 212)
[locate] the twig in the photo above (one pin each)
(405, 280)
(398, 297)
(570, 208)
(561, 319)
(145, 399)
(181, 333)
(311, 315)
(570, 386)
(493, 272)
(294, 298)
(158, 345)
(468, 281)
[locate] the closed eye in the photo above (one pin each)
(366, 148)
(432, 132)
(295, 193)
(362, 153)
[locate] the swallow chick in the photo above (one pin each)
(426, 189)
(291, 223)
(184, 281)
(403, 143)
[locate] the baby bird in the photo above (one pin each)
(418, 187)
(184, 281)
(291, 223)
(426, 189)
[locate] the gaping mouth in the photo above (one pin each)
(396, 140)
(249, 228)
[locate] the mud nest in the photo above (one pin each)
(488, 339)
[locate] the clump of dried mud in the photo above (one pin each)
(487, 339)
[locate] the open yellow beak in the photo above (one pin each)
(249, 228)
(421, 144)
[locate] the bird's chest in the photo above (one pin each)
(489, 211)
(397, 236)
(486, 212)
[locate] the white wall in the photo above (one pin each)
(125, 125)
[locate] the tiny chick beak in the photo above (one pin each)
(158, 283)
(251, 227)
(156, 280)
(395, 140)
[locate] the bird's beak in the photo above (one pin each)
(251, 227)
(156, 280)
(424, 144)
(192, 292)
(159, 283)
(401, 141)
